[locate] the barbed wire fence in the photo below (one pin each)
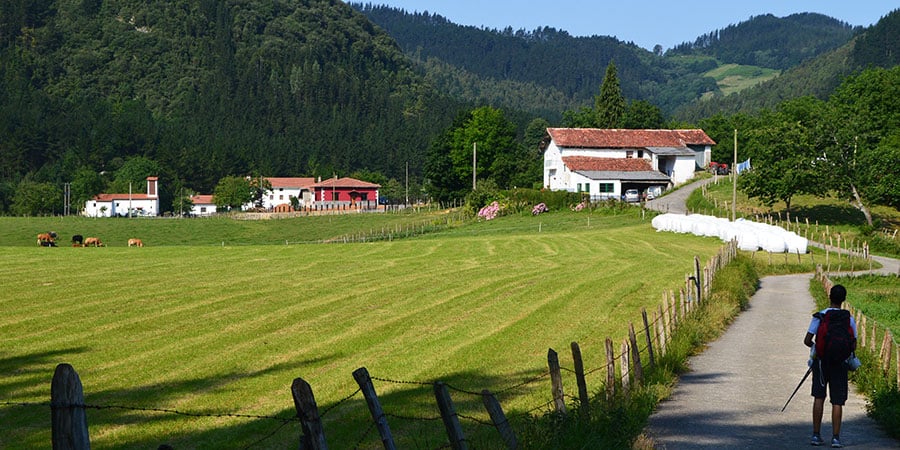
(622, 372)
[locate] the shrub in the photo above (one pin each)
(538, 209)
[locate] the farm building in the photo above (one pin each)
(606, 162)
(138, 204)
(331, 193)
(346, 191)
(202, 205)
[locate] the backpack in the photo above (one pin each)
(834, 337)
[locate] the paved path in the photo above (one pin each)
(733, 394)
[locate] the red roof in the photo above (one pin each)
(294, 183)
(594, 164)
(111, 197)
(618, 138)
(346, 183)
(202, 199)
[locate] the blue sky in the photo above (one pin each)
(646, 23)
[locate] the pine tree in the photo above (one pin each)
(610, 105)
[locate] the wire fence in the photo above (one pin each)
(623, 369)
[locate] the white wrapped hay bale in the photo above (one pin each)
(750, 236)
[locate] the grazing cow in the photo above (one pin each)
(92, 242)
(77, 240)
(46, 239)
(135, 243)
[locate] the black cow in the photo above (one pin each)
(77, 240)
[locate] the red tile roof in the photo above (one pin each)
(346, 182)
(111, 197)
(592, 164)
(617, 138)
(202, 199)
(295, 183)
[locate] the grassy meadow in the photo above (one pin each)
(192, 325)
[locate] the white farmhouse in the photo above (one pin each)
(140, 204)
(606, 162)
(202, 205)
(283, 188)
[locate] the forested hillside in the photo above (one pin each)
(203, 89)
(563, 72)
(569, 68)
(876, 46)
(769, 41)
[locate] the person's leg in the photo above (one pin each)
(818, 410)
(836, 412)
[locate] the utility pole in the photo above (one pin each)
(129, 199)
(474, 159)
(407, 183)
(734, 176)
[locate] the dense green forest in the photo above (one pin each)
(876, 46)
(474, 63)
(95, 95)
(205, 89)
(769, 41)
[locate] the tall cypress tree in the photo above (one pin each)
(610, 105)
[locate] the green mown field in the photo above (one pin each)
(213, 329)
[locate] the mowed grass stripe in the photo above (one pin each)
(227, 329)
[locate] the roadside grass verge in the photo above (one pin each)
(876, 296)
(218, 330)
(619, 423)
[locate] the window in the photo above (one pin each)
(335, 196)
(629, 154)
(578, 187)
(640, 153)
(606, 188)
(587, 187)
(202, 209)
(281, 197)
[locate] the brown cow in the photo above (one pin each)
(92, 242)
(135, 243)
(46, 240)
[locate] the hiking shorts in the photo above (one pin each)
(832, 375)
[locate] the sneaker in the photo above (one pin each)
(836, 443)
(816, 440)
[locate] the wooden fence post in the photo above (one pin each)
(861, 330)
(448, 414)
(636, 353)
(364, 381)
(626, 368)
(661, 331)
(579, 377)
(886, 352)
(873, 337)
(647, 329)
(559, 400)
(610, 370)
(69, 430)
(697, 278)
(305, 402)
(499, 419)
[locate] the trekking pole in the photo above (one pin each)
(808, 371)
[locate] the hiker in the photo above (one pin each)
(834, 330)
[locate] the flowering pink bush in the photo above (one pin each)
(580, 206)
(490, 211)
(539, 208)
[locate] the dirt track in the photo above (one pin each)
(733, 395)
